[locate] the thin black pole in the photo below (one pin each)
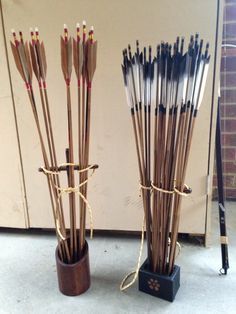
(221, 201)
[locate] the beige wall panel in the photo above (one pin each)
(12, 198)
(114, 188)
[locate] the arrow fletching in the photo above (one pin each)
(78, 57)
(34, 62)
(66, 55)
(17, 61)
(91, 49)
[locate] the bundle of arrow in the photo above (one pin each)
(31, 58)
(164, 93)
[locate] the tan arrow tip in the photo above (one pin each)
(84, 23)
(77, 25)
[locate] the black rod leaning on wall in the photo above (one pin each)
(220, 185)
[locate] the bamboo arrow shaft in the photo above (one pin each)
(86, 159)
(73, 234)
(51, 189)
(54, 156)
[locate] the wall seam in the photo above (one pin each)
(25, 201)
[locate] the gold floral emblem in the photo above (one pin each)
(153, 284)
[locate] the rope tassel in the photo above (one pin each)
(75, 190)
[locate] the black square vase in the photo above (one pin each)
(161, 286)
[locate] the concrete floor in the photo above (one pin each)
(28, 281)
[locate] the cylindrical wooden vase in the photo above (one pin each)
(74, 279)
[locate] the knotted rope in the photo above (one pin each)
(152, 187)
(174, 191)
(68, 190)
